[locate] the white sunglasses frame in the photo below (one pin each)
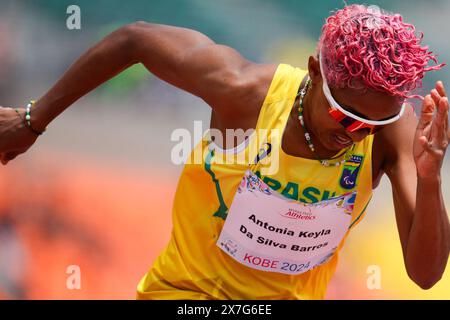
(335, 105)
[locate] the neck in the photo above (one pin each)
(307, 116)
(293, 142)
(320, 150)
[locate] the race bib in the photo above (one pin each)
(267, 231)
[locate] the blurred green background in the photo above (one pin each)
(105, 162)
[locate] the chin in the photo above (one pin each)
(326, 141)
(335, 145)
(329, 143)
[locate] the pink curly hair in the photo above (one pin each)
(364, 47)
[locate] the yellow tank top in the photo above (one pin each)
(192, 266)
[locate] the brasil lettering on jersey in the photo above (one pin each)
(292, 190)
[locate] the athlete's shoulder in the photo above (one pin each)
(250, 90)
(259, 84)
(267, 83)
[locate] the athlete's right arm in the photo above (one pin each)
(185, 58)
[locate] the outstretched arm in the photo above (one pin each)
(185, 58)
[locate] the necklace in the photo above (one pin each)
(326, 163)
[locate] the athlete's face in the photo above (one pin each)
(370, 105)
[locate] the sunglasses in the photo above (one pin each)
(352, 122)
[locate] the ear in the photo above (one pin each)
(314, 70)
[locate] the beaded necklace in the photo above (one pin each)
(326, 163)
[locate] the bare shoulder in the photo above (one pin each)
(247, 92)
(395, 141)
(227, 81)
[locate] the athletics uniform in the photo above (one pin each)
(222, 248)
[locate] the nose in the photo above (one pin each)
(358, 135)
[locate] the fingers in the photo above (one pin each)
(441, 89)
(424, 142)
(443, 111)
(436, 96)
(438, 92)
(426, 116)
(437, 99)
(441, 123)
(3, 159)
(428, 147)
(8, 156)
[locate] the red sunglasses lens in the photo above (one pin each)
(352, 125)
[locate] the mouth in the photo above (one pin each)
(342, 141)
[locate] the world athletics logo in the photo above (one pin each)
(351, 171)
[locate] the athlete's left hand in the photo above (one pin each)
(432, 136)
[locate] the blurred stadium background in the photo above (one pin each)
(96, 190)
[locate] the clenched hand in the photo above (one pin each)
(15, 137)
